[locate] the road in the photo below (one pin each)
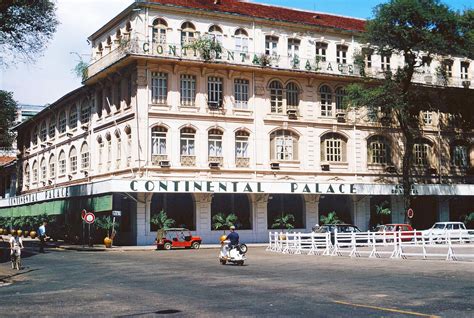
(193, 283)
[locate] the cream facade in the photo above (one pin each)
(158, 123)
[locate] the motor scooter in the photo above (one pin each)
(235, 255)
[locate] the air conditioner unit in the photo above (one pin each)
(69, 134)
(325, 167)
(341, 117)
(391, 169)
(292, 113)
(85, 126)
(49, 143)
(466, 84)
(214, 165)
(165, 163)
(275, 165)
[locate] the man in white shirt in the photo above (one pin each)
(42, 236)
(16, 244)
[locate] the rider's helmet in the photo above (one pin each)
(223, 238)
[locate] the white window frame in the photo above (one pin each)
(62, 123)
(52, 167)
(294, 48)
(321, 51)
(215, 92)
(464, 70)
(341, 54)
(333, 149)
(385, 62)
(159, 87)
(460, 156)
(326, 101)
(271, 45)
(159, 141)
(420, 154)
(214, 143)
(241, 145)
(241, 93)
(52, 127)
(187, 142)
(187, 89)
(241, 41)
(62, 163)
(379, 151)
(73, 160)
(73, 117)
(276, 97)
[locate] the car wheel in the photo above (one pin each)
(195, 245)
(223, 261)
(167, 246)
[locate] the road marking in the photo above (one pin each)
(386, 309)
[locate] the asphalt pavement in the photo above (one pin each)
(192, 283)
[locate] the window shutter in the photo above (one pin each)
(344, 150)
(369, 152)
(295, 148)
(323, 150)
(272, 147)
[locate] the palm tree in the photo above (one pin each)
(285, 221)
(223, 222)
(162, 221)
(332, 218)
(382, 210)
(106, 223)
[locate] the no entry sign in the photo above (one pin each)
(410, 213)
(89, 218)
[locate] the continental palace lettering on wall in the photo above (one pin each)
(240, 187)
(314, 64)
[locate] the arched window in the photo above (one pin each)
(283, 145)
(85, 157)
(241, 40)
(108, 139)
(276, 97)
(34, 137)
(459, 155)
(378, 150)
(188, 32)
(100, 155)
(215, 32)
(241, 149)
(159, 31)
(422, 153)
(340, 94)
(158, 140)
(62, 163)
(187, 144)
(52, 126)
(43, 169)
(43, 132)
(27, 175)
(292, 96)
(128, 132)
(35, 171)
(62, 122)
(73, 117)
(118, 156)
(52, 166)
(73, 159)
(85, 112)
(325, 95)
(238, 204)
(215, 143)
(333, 148)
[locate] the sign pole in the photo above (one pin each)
(89, 235)
(113, 229)
(83, 233)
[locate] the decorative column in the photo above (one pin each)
(361, 212)
(443, 209)
(144, 237)
(398, 209)
(203, 217)
(312, 210)
(260, 226)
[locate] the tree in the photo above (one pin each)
(418, 30)
(331, 218)
(223, 222)
(285, 221)
(8, 107)
(26, 26)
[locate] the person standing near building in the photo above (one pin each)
(42, 236)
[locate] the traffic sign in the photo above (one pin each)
(410, 213)
(89, 218)
(83, 213)
(116, 213)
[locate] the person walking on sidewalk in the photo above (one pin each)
(42, 236)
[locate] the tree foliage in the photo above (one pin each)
(416, 30)
(285, 221)
(26, 26)
(8, 108)
(220, 221)
(162, 221)
(207, 47)
(331, 218)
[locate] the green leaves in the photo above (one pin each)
(8, 107)
(106, 223)
(208, 47)
(331, 218)
(220, 221)
(285, 221)
(162, 221)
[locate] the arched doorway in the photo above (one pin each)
(237, 204)
(178, 206)
(341, 204)
(280, 204)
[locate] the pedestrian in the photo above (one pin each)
(16, 245)
(42, 236)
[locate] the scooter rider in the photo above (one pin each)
(233, 237)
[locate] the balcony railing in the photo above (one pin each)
(188, 161)
(306, 64)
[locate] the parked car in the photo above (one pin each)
(442, 228)
(404, 230)
(341, 228)
(177, 238)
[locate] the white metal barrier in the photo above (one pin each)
(449, 245)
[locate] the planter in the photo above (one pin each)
(33, 234)
(19, 232)
(12, 232)
(282, 237)
(26, 234)
(108, 242)
(1, 231)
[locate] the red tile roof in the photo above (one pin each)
(270, 12)
(6, 159)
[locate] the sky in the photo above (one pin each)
(51, 76)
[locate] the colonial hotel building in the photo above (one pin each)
(258, 130)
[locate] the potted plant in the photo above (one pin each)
(162, 222)
(106, 223)
(331, 218)
(220, 221)
(207, 47)
(382, 210)
(284, 221)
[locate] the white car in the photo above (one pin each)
(440, 230)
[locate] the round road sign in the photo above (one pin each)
(410, 213)
(89, 217)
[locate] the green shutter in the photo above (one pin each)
(101, 203)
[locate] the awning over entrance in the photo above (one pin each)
(58, 207)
